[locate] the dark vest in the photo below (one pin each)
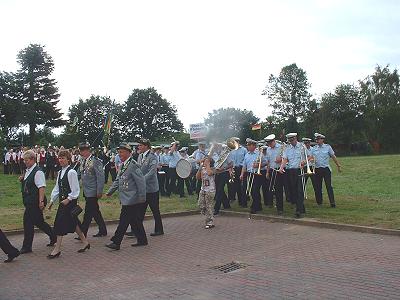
(63, 185)
(30, 192)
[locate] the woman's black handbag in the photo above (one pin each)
(75, 212)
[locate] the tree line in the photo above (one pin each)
(361, 118)
(30, 98)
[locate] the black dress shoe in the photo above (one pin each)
(333, 205)
(113, 246)
(87, 247)
(139, 244)
(297, 215)
(51, 256)
(24, 251)
(99, 234)
(11, 257)
(77, 238)
(253, 211)
(130, 234)
(156, 233)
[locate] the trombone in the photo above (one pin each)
(273, 181)
(302, 173)
(250, 178)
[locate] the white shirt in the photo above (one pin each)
(73, 184)
(7, 157)
(40, 181)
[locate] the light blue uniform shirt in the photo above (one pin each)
(199, 155)
(321, 155)
(238, 156)
(272, 154)
(294, 155)
(164, 159)
(249, 160)
(173, 159)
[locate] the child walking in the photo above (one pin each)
(206, 174)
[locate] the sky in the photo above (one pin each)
(201, 55)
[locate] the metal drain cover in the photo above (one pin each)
(230, 267)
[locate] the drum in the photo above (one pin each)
(184, 168)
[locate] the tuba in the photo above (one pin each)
(231, 144)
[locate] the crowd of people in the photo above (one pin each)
(140, 174)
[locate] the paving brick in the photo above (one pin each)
(285, 261)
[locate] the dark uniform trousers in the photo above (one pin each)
(264, 188)
(313, 181)
(323, 174)
(33, 216)
(188, 183)
(6, 246)
(92, 211)
(220, 196)
(245, 198)
(152, 200)
(130, 214)
(275, 181)
(162, 181)
(173, 187)
(296, 194)
(236, 186)
(255, 192)
(286, 189)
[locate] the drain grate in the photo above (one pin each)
(230, 267)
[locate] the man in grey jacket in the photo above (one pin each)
(92, 175)
(148, 163)
(131, 186)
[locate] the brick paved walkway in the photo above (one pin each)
(284, 261)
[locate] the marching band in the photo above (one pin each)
(265, 169)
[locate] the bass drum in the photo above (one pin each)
(183, 168)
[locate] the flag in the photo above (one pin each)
(256, 127)
(75, 124)
(107, 124)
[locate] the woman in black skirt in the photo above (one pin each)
(67, 191)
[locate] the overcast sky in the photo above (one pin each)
(201, 55)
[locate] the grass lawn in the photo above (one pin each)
(367, 192)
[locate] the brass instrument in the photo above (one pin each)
(232, 175)
(250, 178)
(308, 170)
(231, 144)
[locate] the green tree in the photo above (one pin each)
(224, 123)
(90, 115)
(273, 124)
(341, 116)
(288, 95)
(10, 106)
(381, 96)
(45, 136)
(147, 114)
(37, 90)
(313, 119)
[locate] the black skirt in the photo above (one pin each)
(65, 223)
